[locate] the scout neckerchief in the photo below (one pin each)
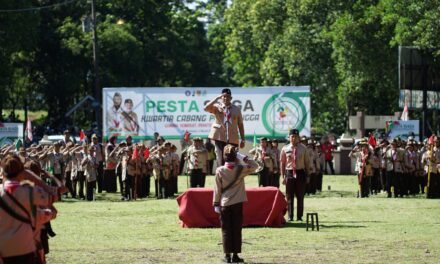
(227, 119)
(293, 158)
(237, 172)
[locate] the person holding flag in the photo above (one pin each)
(431, 159)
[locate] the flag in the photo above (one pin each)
(29, 130)
(255, 139)
(431, 139)
(82, 136)
(18, 144)
(372, 141)
(405, 114)
(186, 136)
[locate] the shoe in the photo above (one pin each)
(299, 219)
(290, 219)
(227, 259)
(237, 259)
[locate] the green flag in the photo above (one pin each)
(18, 144)
(255, 139)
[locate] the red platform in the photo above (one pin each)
(266, 206)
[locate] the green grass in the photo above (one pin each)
(35, 116)
(352, 230)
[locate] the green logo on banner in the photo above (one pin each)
(284, 111)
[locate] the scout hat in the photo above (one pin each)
(263, 139)
(94, 136)
(293, 132)
(226, 91)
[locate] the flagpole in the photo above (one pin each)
(25, 122)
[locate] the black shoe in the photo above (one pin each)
(227, 259)
(299, 219)
(237, 259)
(290, 219)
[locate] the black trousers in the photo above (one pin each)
(389, 182)
(264, 177)
(30, 258)
(129, 186)
(295, 187)
(275, 180)
(330, 164)
(196, 178)
(109, 181)
(231, 219)
(211, 167)
(100, 176)
(69, 184)
(433, 190)
(81, 179)
(91, 185)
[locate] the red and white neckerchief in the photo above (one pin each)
(230, 165)
(196, 162)
(227, 115)
(293, 156)
(10, 186)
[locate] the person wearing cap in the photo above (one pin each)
(431, 159)
(395, 159)
(77, 154)
(54, 161)
(294, 169)
(110, 164)
(161, 171)
(175, 169)
(114, 119)
(130, 123)
(227, 125)
(197, 158)
(376, 161)
(228, 198)
(266, 159)
(99, 151)
(275, 178)
(185, 143)
(363, 155)
(66, 138)
(411, 166)
(90, 164)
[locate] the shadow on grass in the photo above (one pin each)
(322, 225)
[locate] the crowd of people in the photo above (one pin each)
(401, 168)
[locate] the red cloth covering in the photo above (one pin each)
(266, 206)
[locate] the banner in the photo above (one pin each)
(140, 112)
(402, 129)
(9, 132)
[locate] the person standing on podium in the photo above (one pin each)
(229, 195)
(228, 123)
(294, 169)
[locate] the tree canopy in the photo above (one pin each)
(346, 51)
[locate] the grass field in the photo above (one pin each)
(352, 230)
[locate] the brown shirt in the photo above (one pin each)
(302, 158)
(224, 176)
(222, 130)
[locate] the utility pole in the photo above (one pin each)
(97, 89)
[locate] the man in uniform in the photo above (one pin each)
(99, 151)
(294, 169)
(197, 157)
(130, 122)
(266, 160)
(229, 195)
(114, 115)
(395, 159)
(327, 149)
(228, 122)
